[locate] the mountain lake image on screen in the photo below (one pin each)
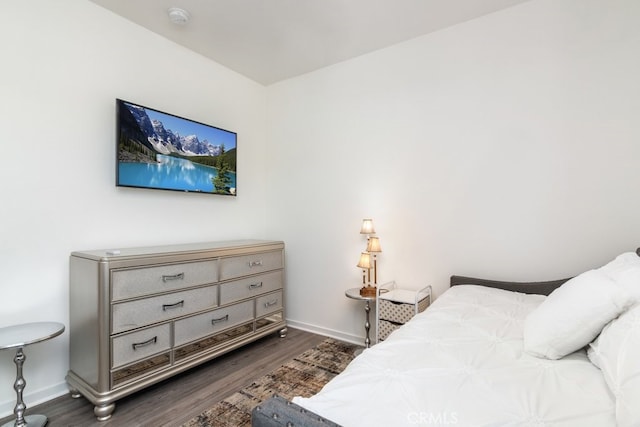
(166, 152)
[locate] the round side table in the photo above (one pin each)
(20, 336)
(354, 293)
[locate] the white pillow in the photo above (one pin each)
(625, 270)
(617, 353)
(573, 315)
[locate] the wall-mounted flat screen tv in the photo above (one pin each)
(166, 152)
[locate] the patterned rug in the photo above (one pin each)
(304, 375)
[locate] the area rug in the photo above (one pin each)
(304, 375)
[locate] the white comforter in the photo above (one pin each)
(460, 363)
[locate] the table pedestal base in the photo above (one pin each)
(19, 336)
(30, 421)
(354, 293)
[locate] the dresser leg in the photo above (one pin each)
(283, 332)
(103, 412)
(74, 393)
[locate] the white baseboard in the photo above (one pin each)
(354, 339)
(34, 398)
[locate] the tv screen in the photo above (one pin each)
(166, 152)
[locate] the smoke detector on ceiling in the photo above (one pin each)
(178, 16)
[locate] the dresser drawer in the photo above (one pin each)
(249, 287)
(245, 265)
(139, 313)
(204, 324)
(139, 369)
(150, 280)
(138, 345)
(268, 303)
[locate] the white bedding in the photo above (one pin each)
(461, 363)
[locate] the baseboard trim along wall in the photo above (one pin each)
(354, 339)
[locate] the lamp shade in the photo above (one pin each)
(365, 260)
(374, 244)
(367, 227)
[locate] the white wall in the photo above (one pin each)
(503, 147)
(63, 65)
(506, 147)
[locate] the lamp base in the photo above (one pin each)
(368, 291)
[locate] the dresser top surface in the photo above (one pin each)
(199, 247)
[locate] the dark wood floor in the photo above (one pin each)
(177, 400)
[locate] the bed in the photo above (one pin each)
(488, 353)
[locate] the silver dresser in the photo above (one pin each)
(141, 315)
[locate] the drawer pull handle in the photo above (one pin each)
(255, 263)
(255, 285)
(220, 319)
(271, 303)
(153, 340)
(166, 307)
(178, 276)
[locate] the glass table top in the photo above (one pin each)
(28, 333)
(355, 294)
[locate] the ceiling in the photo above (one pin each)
(272, 40)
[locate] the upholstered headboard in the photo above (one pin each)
(542, 288)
